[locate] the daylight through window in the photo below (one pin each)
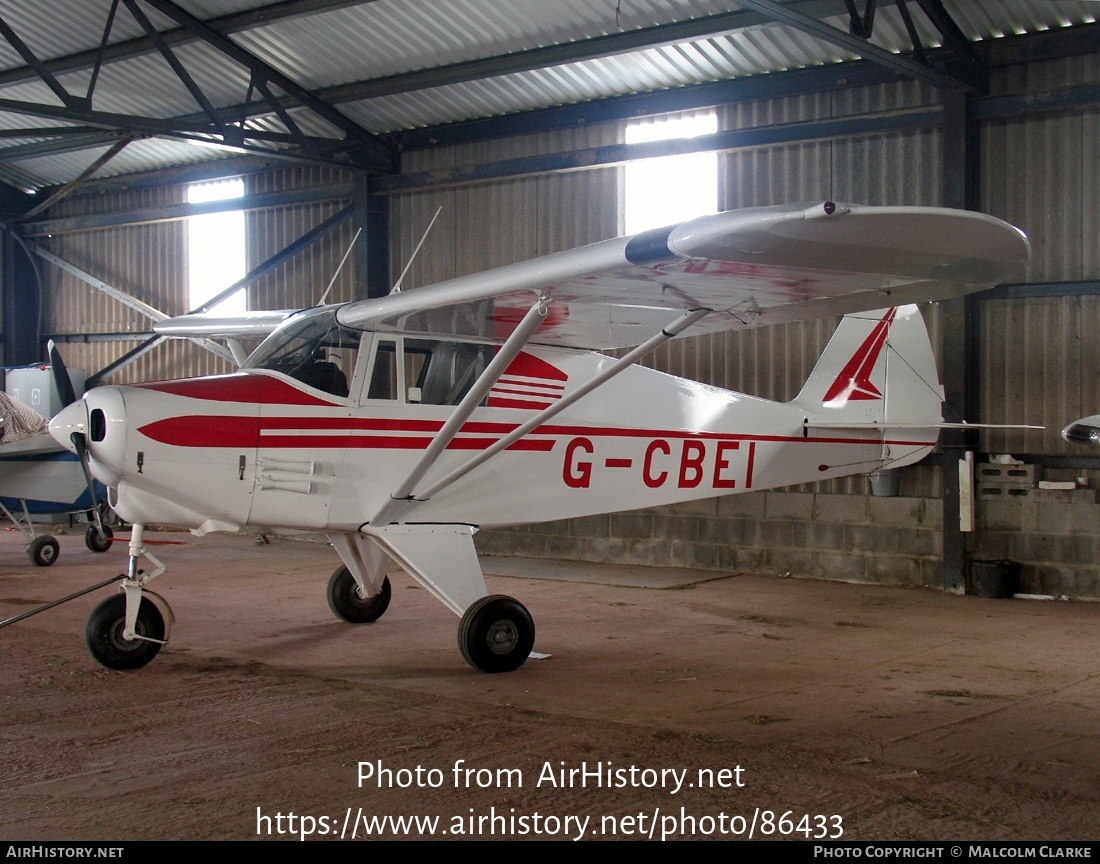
(670, 189)
(216, 247)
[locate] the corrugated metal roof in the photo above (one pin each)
(343, 44)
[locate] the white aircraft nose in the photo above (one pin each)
(100, 416)
(72, 418)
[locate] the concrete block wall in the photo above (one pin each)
(1055, 536)
(808, 534)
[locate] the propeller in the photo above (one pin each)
(65, 392)
(61, 379)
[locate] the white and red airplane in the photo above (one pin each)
(399, 426)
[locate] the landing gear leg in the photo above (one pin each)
(127, 632)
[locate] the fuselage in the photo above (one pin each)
(262, 447)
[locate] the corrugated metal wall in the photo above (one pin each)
(147, 261)
(489, 225)
(302, 280)
(1040, 362)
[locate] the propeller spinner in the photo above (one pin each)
(71, 423)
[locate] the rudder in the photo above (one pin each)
(878, 368)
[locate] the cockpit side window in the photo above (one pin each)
(383, 378)
(450, 370)
(435, 372)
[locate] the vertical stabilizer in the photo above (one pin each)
(877, 369)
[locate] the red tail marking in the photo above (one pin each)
(854, 381)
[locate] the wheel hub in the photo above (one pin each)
(119, 641)
(503, 636)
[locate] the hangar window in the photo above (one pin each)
(215, 244)
(669, 189)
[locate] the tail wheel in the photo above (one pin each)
(348, 603)
(103, 633)
(43, 551)
(496, 634)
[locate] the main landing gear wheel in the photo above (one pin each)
(103, 633)
(95, 542)
(496, 634)
(345, 599)
(43, 551)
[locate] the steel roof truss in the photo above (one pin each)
(94, 77)
(379, 149)
(177, 67)
(861, 25)
(39, 67)
(969, 77)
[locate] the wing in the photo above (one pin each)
(243, 326)
(752, 267)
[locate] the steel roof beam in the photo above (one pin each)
(173, 212)
(617, 154)
(593, 48)
(174, 63)
(74, 184)
(967, 79)
(128, 49)
(381, 151)
(616, 108)
(39, 68)
(538, 58)
(82, 138)
(318, 151)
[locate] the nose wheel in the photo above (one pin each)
(104, 634)
(126, 631)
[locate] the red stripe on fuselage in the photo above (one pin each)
(244, 387)
(503, 402)
(345, 432)
(517, 382)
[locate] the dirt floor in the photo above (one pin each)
(699, 706)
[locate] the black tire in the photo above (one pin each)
(43, 551)
(347, 603)
(103, 633)
(496, 634)
(95, 542)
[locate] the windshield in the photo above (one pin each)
(312, 348)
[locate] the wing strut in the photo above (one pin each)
(401, 499)
(671, 331)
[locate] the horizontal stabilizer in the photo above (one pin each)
(894, 426)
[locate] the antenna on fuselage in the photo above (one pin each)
(396, 289)
(332, 281)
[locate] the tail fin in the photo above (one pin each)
(878, 370)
